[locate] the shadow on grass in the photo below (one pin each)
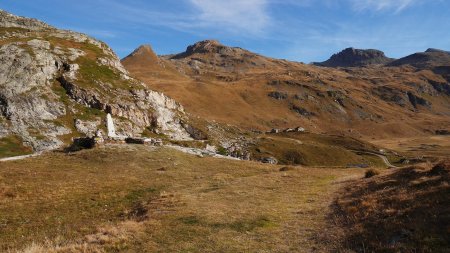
(405, 211)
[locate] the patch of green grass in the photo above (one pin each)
(91, 73)
(90, 70)
(12, 146)
(222, 151)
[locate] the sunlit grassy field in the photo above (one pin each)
(142, 199)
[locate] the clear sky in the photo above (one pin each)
(299, 30)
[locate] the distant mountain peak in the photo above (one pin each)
(206, 47)
(143, 53)
(143, 50)
(352, 57)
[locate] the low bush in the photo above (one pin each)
(371, 173)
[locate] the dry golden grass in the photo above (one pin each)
(429, 146)
(119, 199)
(406, 210)
(314, 150)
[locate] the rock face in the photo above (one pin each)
(52, 79)
(351, 57)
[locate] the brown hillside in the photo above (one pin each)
(404, 211)
(144, 61)
(235, 86)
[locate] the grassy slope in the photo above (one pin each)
(140, 199)
(403, 211)
(314, 150)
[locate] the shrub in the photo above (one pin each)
(293, 157)
(371, 172)
(222, 151)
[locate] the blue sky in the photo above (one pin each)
(299, 30)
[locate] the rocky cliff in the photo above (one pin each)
(57, 84)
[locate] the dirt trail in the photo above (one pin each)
(21, 157)
(383, 157)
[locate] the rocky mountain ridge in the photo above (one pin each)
(429, 59)
(351, 57)
(235, 86)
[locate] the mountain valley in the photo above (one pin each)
(217, 148)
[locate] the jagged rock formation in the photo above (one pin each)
(351, 57)
(51, 81)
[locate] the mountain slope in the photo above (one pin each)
(404, 210)
(234, 86)
(57, 84)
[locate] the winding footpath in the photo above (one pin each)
(383, 157)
